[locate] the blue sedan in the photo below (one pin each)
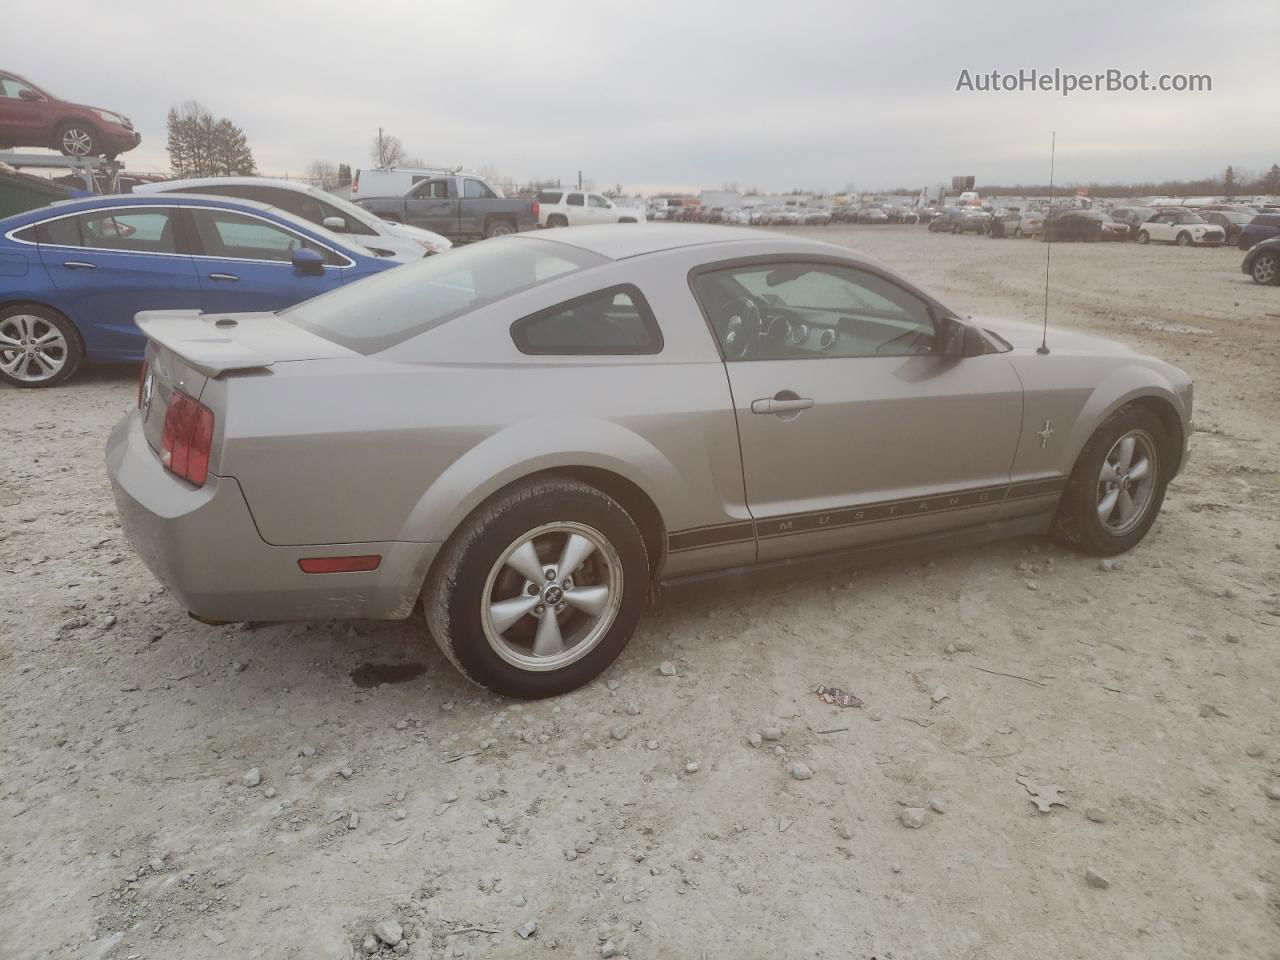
(72, 275)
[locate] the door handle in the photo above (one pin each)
(229, 277)
(79, 265)
(784, 402)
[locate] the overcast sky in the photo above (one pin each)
(781, 94)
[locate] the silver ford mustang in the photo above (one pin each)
(527, 435)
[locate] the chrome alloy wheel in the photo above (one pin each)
(77, 142)
(552, 596)
(1127, 481)
(31, 348)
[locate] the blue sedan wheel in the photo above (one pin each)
(38, 348)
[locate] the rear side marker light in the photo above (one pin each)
(340, 564)
(188, 438)
(142, 379)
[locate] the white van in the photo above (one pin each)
(390, 181)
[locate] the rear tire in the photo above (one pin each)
(1144, 237)
(499, 228)
(474, 598)
(1084, 520)
(39, 347)
(557, 220)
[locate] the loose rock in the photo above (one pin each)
(370, 944)
(527, 929)
(346, 773)
(1273, 790)
(801, 771)
(667, 668)
(1095, 814)
(692, 767)
(388, 931)
(937, 806)
(912, 817)
(307, 751)
(1095, 879)
(755, 739)
(771, 733)
(252, 778)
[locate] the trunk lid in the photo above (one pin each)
(187, 348)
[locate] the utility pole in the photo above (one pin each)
(579, 179)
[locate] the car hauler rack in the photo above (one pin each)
(99, 174)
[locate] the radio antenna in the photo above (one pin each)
(1048, 249)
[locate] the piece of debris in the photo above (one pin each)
(939, 694)
(801, 771)
(692, 767)
(1044, 796)
(269, 793)
(937, 806)
(252, 778)
(1095, 879)
(771, 733)
(836, 696)
(388, 931)
(667, 668)
(755, 739)
(1095, 814)
(912, 817)
(346, 773)
(527, 929)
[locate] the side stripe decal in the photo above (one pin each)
(743, 531)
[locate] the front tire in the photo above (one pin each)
(1118, 484)
(1184, 239)
(39, 347)
(77, 139)
(1266, 269)
(1144, 237)
(539, 590)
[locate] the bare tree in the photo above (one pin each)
(386, 150)
(323, 174)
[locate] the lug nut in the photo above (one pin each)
(539, 609)
(549, 573)
(532, 590)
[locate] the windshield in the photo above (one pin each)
(402, 302)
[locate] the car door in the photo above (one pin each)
(576, 209)
(600, 210)
(24, 113)
(472, 208)
(430, 205)
(109, 263)
(244, 262)
(852, 429)
(1160, 227)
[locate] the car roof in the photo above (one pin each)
(170, 186)
(621, 241)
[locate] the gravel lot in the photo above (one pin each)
(1145, 694)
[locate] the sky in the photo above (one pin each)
(804, 94)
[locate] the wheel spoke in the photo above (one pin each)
(24, 325)
(8, 341)
(590, 600)
(505, 613)
(49, 339)
(1140, 469)
(1124, 452)
(547, 641)
(526, 563)
(576, 549)
(44, 363)
(1109, 474)
(14, 366)
(1125, 507)
(1107, 504)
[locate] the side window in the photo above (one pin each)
(9, 87)
(64, 232)
(595, 200)
(144, 230)
(432, 190)
(476, 190)
(616, 321)
(790, 311)
(293, 201)
(574, 200)
(223, 233)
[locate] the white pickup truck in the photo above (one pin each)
(574, 208)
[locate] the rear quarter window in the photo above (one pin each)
(612, 322)
(550, 196)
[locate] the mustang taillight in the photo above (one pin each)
(142, 379)
(188, 438)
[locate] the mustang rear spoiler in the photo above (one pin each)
(197, 340)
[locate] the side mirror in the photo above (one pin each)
(951, 338)
(308, 262)
(335, 223)
(30, 96)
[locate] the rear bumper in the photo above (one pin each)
(202, 544)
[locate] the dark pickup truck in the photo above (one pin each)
(460, 207)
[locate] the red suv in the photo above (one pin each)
(31, 117)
